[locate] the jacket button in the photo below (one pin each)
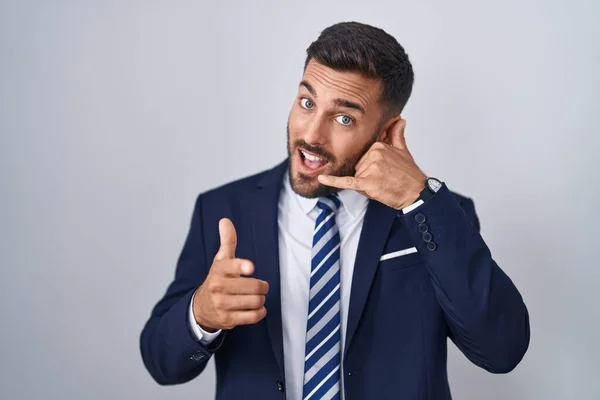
(423, 228)
(420, 218)
(427, 237)
(280, 386)
(431, 246)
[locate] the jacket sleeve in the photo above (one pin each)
(169, 349)
(487, 318)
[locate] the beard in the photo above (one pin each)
(311, 188)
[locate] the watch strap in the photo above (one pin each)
(426, 193)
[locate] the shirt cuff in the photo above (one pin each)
(413, 206)
(201, 335)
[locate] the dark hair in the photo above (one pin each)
(352, 46)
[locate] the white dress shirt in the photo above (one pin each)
(296, 223)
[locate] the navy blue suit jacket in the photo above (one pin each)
(401, 312)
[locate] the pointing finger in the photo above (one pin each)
(343, 182)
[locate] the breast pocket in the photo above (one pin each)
(401, 258)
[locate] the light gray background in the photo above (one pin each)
(114, 115)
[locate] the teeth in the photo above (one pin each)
(310, 157)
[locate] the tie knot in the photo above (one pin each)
(330, 203)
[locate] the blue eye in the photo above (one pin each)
(344, 120)
(306, 103)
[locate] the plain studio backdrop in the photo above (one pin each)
(114, 115)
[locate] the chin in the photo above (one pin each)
(309, 187)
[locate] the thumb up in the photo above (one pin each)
(227, 298)
(228, 240)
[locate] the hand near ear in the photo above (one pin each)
(386, 173)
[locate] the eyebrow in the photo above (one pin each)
(338, 102)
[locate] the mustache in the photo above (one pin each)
(318, 151)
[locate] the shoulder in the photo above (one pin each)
(234, 188)
(461, 199)
(232, 192)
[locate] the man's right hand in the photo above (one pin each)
(226, 298)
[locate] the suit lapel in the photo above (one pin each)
(264, 205)
(378, 222)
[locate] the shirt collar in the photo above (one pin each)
(352, 201)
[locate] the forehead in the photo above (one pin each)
(330, 84)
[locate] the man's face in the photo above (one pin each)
(335, 119)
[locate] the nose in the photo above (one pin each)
(315, 131)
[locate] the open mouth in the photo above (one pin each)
(311, 163)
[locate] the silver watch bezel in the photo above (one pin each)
(434, 184)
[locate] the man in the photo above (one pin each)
(341, 272)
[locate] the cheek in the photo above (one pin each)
(345, 147)
(297, 114)
(294, 124)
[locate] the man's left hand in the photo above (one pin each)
(386, 172)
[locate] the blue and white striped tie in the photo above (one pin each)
(323, 345)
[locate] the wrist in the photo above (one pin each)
(413, 194)
(419, 185)
(201, 322)
(410, 197)
(207, 328)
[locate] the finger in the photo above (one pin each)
(364, 168)
(248, 317)
(343, 182)
(364, 172)
(228, 240)
(364, 158)
(246, 286)
(233, 268)
(242, 302)
(397, 134)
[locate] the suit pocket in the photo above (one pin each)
(400, 258)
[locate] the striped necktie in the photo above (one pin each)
(323, 345)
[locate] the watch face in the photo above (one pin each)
(434, 184)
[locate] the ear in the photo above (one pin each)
(387, 132)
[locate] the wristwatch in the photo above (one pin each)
(432, 185)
